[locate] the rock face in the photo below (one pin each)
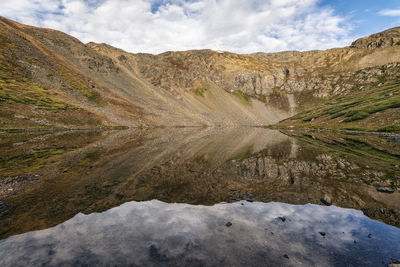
(190, 88)
(383, 39)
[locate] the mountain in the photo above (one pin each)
(49, 79)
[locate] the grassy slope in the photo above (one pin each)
(375, 107)
(25, 102)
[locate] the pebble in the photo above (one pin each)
(326, 200)
(385, 190)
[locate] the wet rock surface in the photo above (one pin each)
(385, 190)
(326, 200)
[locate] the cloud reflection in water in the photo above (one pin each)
(155, 233)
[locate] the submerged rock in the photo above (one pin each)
(326, 200)
(283, 219)
(385, 190)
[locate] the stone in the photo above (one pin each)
(326, 200)
(387, 190)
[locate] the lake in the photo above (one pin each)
(199, 196)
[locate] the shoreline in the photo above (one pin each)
(385, 134)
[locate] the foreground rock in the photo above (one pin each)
(385, 190)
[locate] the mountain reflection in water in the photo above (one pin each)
(155, 233)
(49, 178)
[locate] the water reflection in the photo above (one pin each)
(155, 233)
(99, 171)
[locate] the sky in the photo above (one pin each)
(240, 26)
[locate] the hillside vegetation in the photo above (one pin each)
(49, 79)
(371, 107)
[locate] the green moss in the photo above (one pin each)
(357, 105)
(244, 99)
(32, 60)
(357, 116)
(199, 92)
(204, 87)
(78, 85)
(200, 159)
(390, 128)
(377, 106)
(17, 88)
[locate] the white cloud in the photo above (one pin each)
(231, 25)
(390, 12)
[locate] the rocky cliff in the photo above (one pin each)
(50, 79)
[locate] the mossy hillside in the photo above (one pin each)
(25, 103)
(390, 128)
(17, 87)
(73, 83)
(353, 110)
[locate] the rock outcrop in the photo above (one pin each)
(383, 39)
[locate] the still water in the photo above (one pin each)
(202, 197)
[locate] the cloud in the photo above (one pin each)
(159, 25)
(390, 12)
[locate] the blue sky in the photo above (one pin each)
(242, 26)
(364, 14)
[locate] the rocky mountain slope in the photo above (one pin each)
(373, 104)
(49, 79)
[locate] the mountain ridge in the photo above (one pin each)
(100, 85)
